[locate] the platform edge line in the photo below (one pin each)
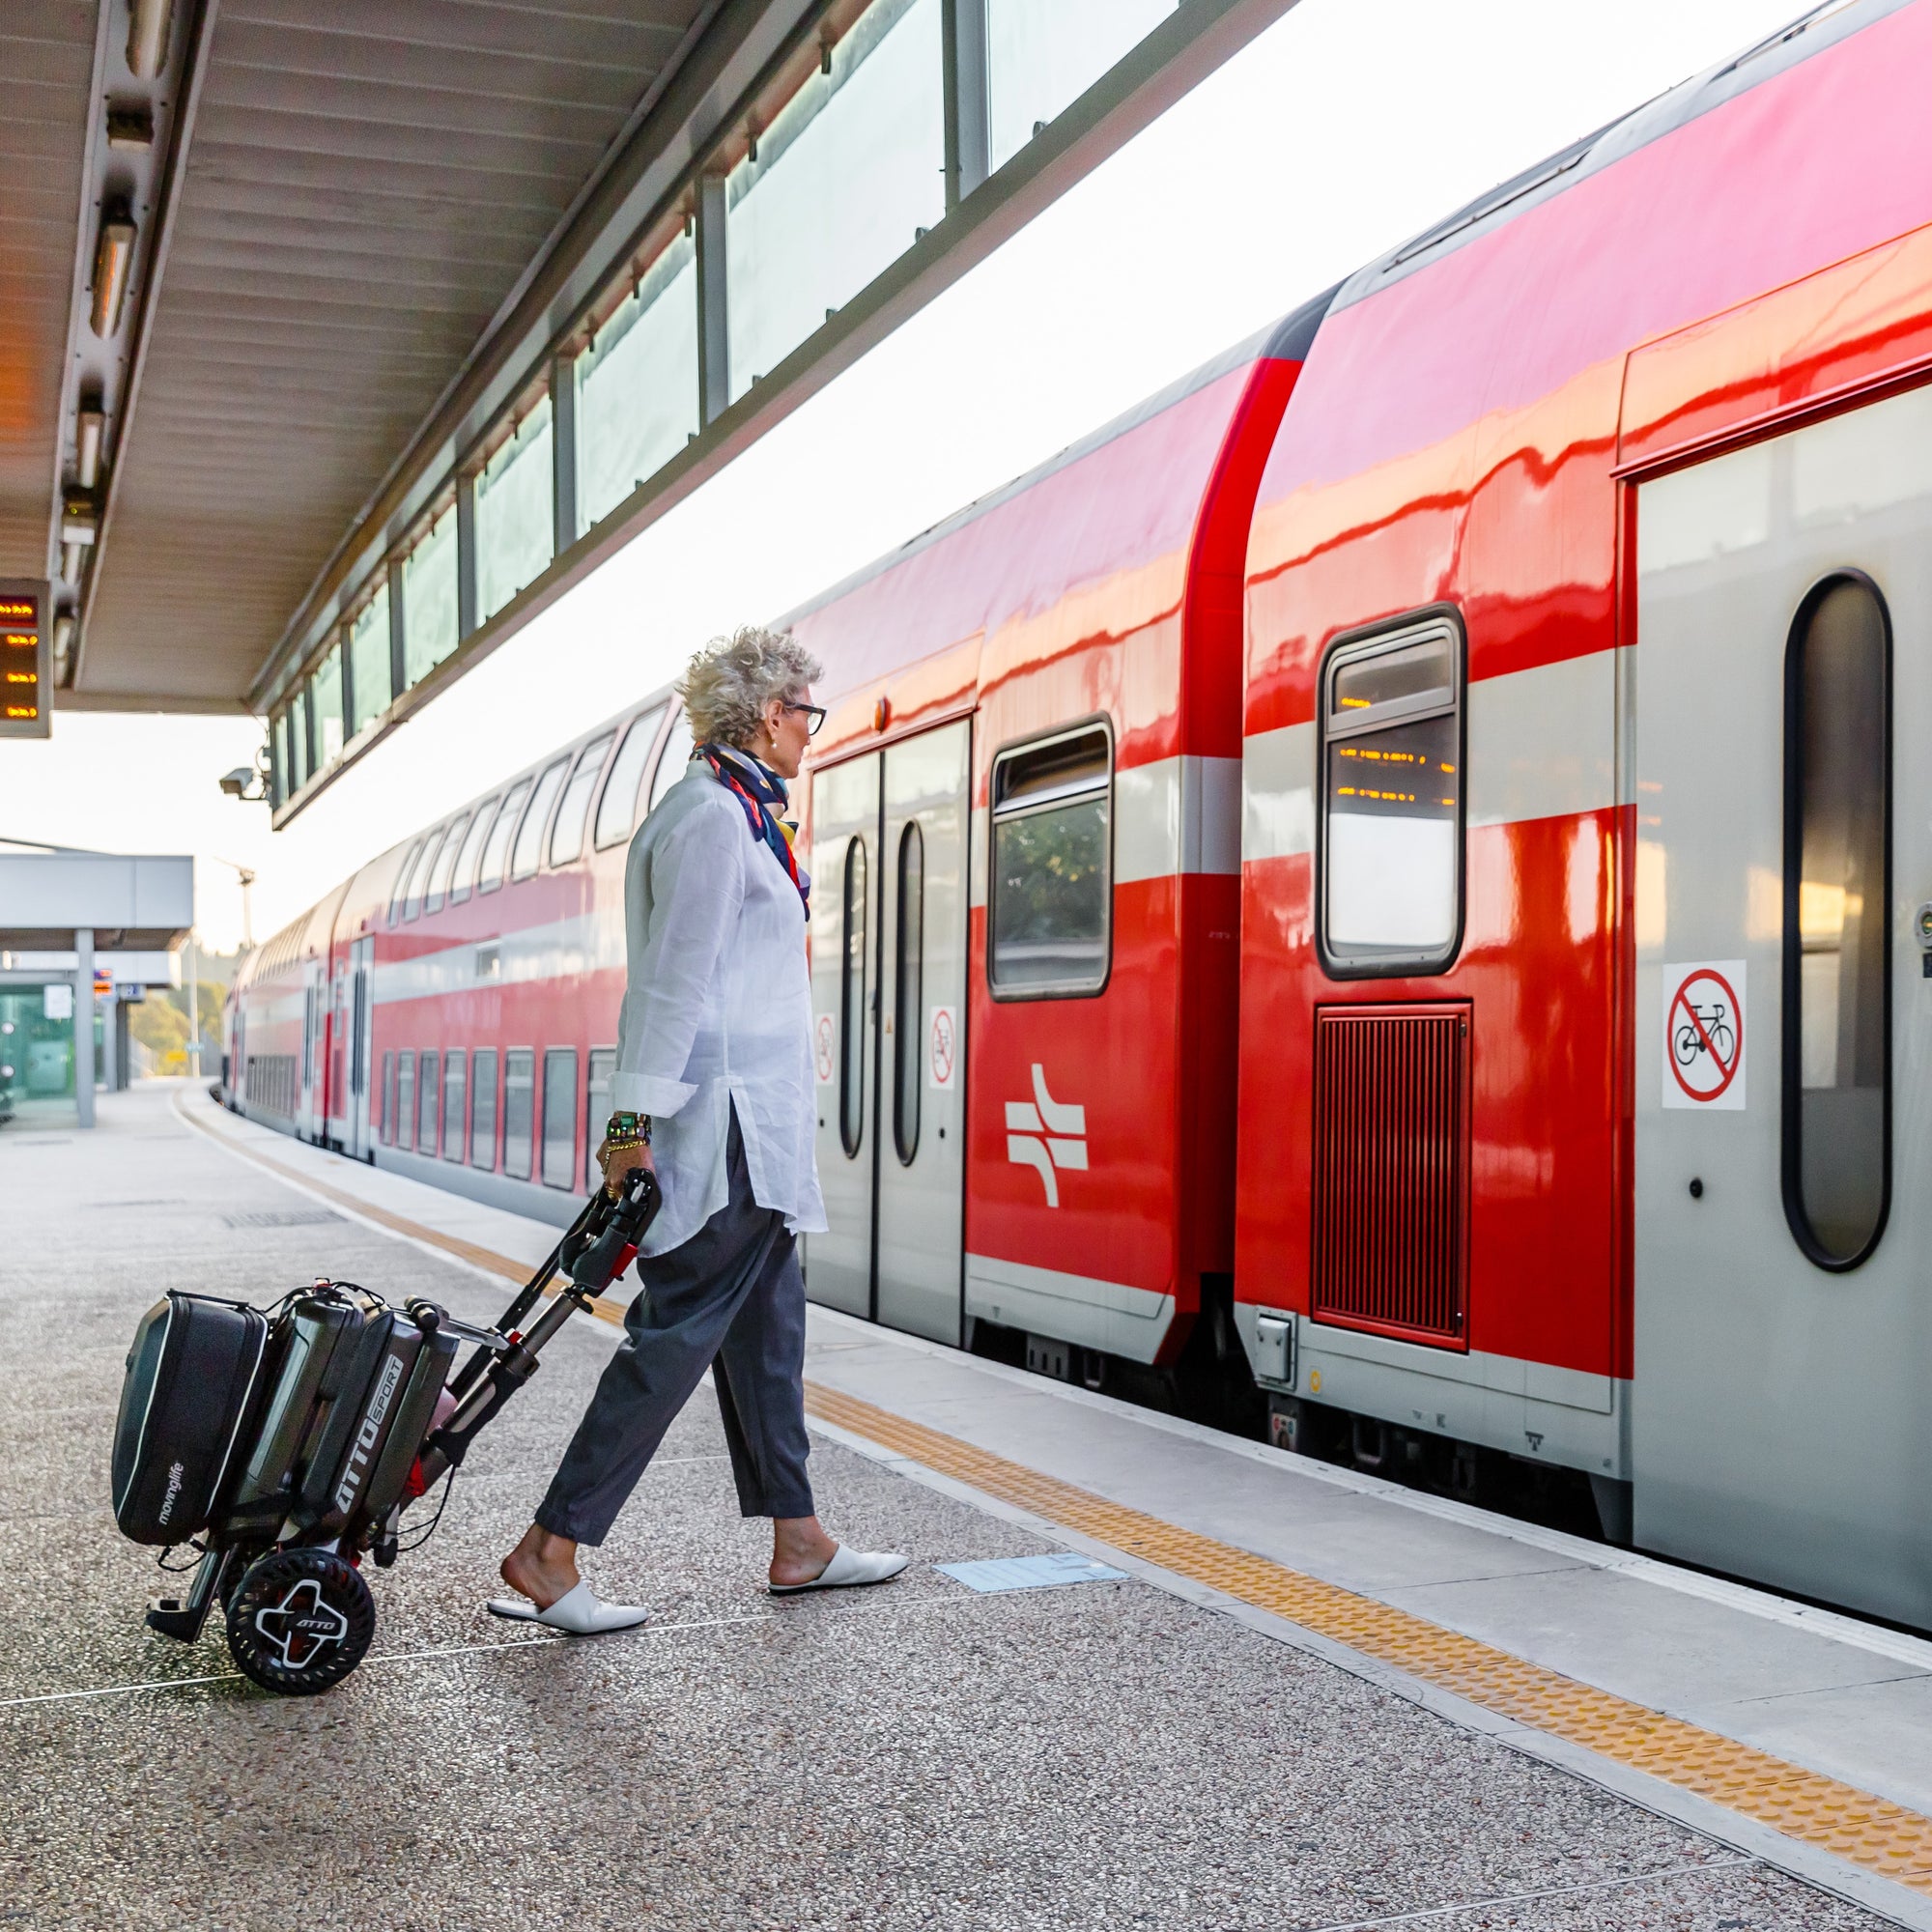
(1801, 1854)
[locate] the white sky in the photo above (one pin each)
(1348, 127)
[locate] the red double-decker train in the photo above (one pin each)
(1393, 870)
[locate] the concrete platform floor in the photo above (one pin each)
(1097, 1755)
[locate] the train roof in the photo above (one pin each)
(1813, 32)
(1287, 340)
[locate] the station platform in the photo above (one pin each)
(1305, 1697)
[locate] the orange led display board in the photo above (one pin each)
(26, 658)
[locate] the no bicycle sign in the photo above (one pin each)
(1704, 1034)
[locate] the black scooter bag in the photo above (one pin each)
(185, 1403)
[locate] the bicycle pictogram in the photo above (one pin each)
(1705, 1029)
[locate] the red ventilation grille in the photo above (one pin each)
(1392, 1169)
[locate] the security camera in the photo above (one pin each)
(243, 783)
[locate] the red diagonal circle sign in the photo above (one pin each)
(1706, 1028)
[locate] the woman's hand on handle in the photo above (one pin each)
(618, 1161)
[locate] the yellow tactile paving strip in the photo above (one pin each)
(1865, 1830)
(1853, 1824)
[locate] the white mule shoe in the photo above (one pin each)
(847, 1568)
(579, 1610)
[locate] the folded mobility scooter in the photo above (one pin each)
(284, 1444)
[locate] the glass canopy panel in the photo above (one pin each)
(637, 384)
(1040, 59)
(429, 599)
(298, 738)
(369, 691)
(326, 694)
(850, 168)
(516, 528)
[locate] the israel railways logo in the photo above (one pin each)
(1043, 1134)
(1704, 1036)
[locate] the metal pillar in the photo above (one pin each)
(193, 1007)
(399, 674)
(345, 663)
(465, 556)
(110, 1059)
(84, 1024)
(714, 338)
(564, 449)
(968, 142)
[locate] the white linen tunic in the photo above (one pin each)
(716, 1009)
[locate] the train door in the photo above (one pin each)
(1783, 1018)
(888, 1000)
(312, 1098)
(361, 1028)
(335, 1114)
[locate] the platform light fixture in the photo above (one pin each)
(89, 427)
(130, 126)
(113, 259)
(148, 23)
(78, 529)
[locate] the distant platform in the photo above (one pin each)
(1271, 1693)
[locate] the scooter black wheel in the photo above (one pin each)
(300, 1620)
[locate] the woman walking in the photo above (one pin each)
(713, 1091)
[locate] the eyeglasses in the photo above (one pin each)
(815, 712)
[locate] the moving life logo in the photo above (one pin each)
(1044, 1134)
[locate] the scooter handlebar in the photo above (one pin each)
(604, 1241)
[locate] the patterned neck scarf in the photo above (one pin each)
(763, 794)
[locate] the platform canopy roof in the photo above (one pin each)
(129, 901)
(281, 282)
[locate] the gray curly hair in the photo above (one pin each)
(727, 685)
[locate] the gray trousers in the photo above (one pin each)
(730, 1299)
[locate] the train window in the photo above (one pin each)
(483, 1108)
(566, 835)
(908, 1032)
(676, 757)
(596, 1108)
(455, 1115)
(519, 1079)
(428, 1112)
(1837, 1126)
(445, 865)
(405, 1100)
(463, 877)
(386, 1101)
(852, 1015)
(1051, 866)
(1391, 849)
(402, 884)
(559, 1117)
(618, 809)
(529, 835)
(412, 898)
(490, 874)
